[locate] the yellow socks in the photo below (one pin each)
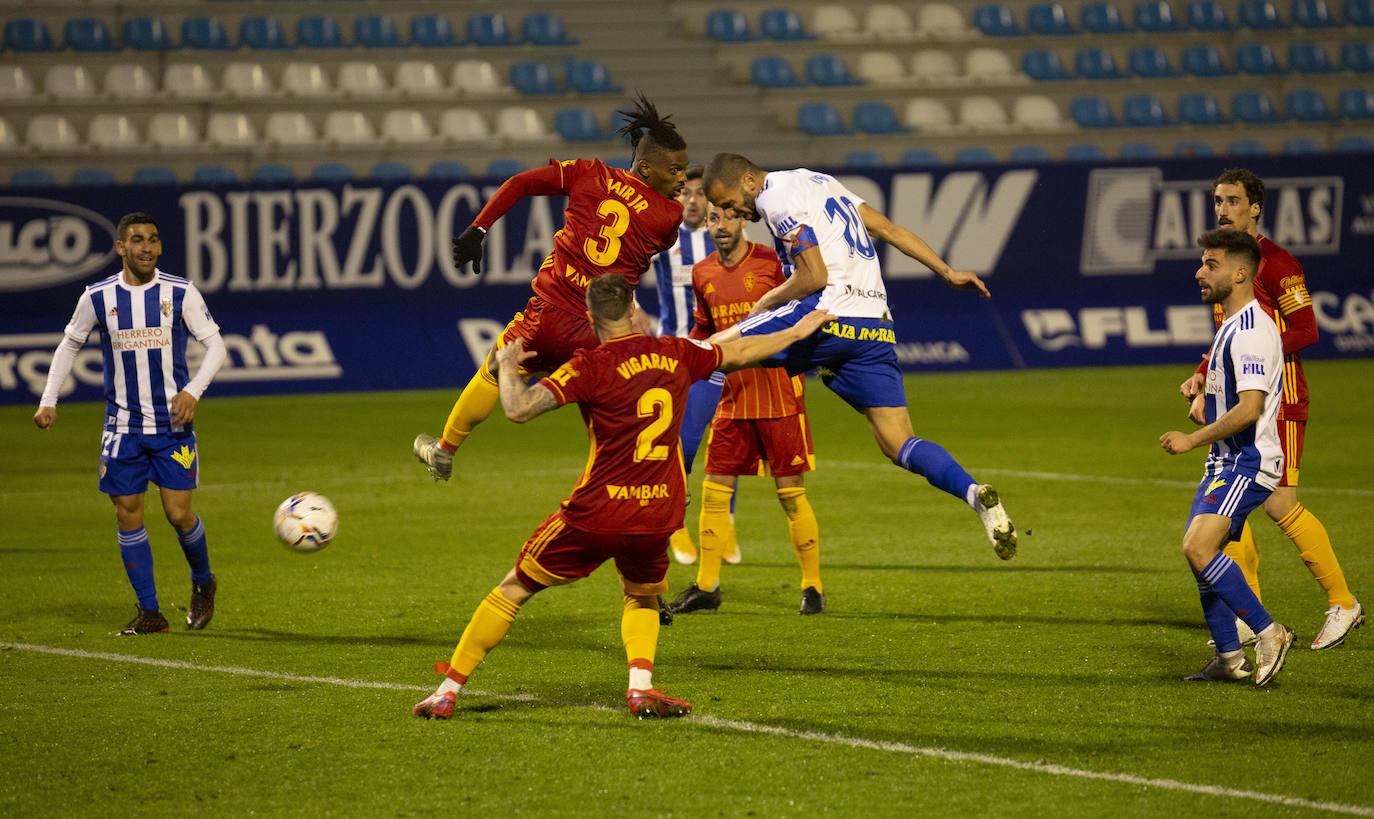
(717, 534)
(1308, 534)
(639, 632)
(681, 542)
(806, 534)
(486, 628)
(1246, 556)
(476, 402)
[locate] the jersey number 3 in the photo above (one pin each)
(604, 249)
(656, 403)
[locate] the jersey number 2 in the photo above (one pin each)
(604, 252)
(656, 403)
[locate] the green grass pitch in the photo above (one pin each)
(940, 681)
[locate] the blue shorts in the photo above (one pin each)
(857, 356)
(128, 460)
(1231, 494)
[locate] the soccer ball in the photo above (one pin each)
(306, 522)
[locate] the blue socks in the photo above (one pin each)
(1225, 596)
(702, 399)
(930, 460)
(137, 555)
(197, 553)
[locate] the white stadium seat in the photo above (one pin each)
(187, 81)
(349, 128)
(880, 67)
(305, 80)
(231, 130)
(991, 65)
(888, 22)
(463, 125)
(982, 114)
(835, 22)
(478, 77)
(362, 79)
(51, 133)
(129, 81)
(112, 132)
(419, 78)
(9, 141)
(927, 114)
(16, 85)
(69, 82)
(246, 81)
(290, 129)
(935, 67)
(406, 126)
(941, 20)
(522, 124)
(1037, 112)
(172, 130)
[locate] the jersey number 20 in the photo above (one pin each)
(855, 234)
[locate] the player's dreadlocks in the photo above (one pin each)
(643, 121)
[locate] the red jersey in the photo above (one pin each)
(724, 297)
(632, 391)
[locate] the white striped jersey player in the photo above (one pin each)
(673, 273)
(1247, 354)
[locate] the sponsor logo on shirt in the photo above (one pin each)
(140, 338)
(643, 493)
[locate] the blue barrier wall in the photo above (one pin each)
(349, 286)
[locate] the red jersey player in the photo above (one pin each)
(1281, 289)
(632, 390)
(615, 222)
(760, 426)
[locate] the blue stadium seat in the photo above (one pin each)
(1144, 111)
(1256, 58)
(1096, 64)
(155, 175)
(319, 32)
(1300, 145)
(376, 31)
(1028, 154)
(1200, 108)
(1357, 104)
(92, 176)
(25, 34)
(503, 168)
(1139, 151)
(205, 33)
(87, 35)
(1148, 61)
(545, 29)
(448, 169)
(1254, 107)
(262, 33)
(1306, 105)
(1355, 145)
(1191, 148)
(146, 34)
(783, 24)
(1043, 64)
(1309, 58)
(828, 70)
(1207, 15)
(390, 169)
(489, 30)
(431, 31)
(772, 72)
(1203, 61)
(1155, 16)
(1260, 15)
(273, 174)
(1357, 57)
(621, 162)
(578, 125)
(214, 175)
(1049, 19)
(32, 178)
(533, 78)
(331, 172)
(974, 156)
(1084, 152)
(1246, 147)
(864, 159)
(728, 26)
(877, 118)
(1358, 12)
(918, 157)
(1091, 112)
(1102, 18)
(820, 119)
(590, 77)
(995, 21)
(1311, 14)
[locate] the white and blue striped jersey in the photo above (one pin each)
(673, 274)
(143, 335)
(1247, 354)
(806, 209)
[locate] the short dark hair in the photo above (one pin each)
(644, 121)
(727, 169)
(695, 172)
(1234, 241)
(135, 218)
(610, 296)
(1254, 186)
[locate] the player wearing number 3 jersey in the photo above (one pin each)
(615, 222)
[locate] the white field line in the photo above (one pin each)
(752, 728)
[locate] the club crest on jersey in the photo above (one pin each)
(749, 281)
(166, 307)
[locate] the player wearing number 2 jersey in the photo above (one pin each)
(827, 232)
(615, 221)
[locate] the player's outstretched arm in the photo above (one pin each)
(1248, 408)
(545, 181)
(748, 351)
(521, 401)
(881, 227)
(809, 274)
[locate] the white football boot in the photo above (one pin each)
(1339, 622)
(995, 522)
(437, 460)
(1271, 650)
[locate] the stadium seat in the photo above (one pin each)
(262, 34)
(112, 132)
(1246, 147)
(880, 67)
(1084, 152)
(489, 30)
(1355, 145)
(1358, 12)
(889, 22)
(1253, 107)
(1048, 19)
(590, 77)
(927, 114)
(67, 81)
(85, 34)
(1306, 105)
(390, 169)
(864, 159)
(578, 125)
(1300, 145)
(128, 81)
(834, 22)
(1144, 111)
(935, 67)
(820, 119)
(290, 129)
(1256, 58)
(533, 78)
(728, 26)
(1200, 108)
(376, 31)
(503, 168)
(348, 128)
(782, 24)
(1357, 57)
(362, 79)
(318, 32)
(1091, 112)
(1203, 61)
(1357, 104)
(982, 113)
(995, 20)
(478, 77)
(463, 125)
(26, 34)
(226, 129)
(772, 72)
(1150, 62)
(827, 70)
(522, 124)
(1311, 14)
(934, 20)
(273, 175)
(16, 84)
(877, 118)
(1037, 113)
(406, 126)
(431, 31)
(1207, 15)
(990, 65)
(447, 169)
(331, 172)
(51, 133)
(1189, 149)
(204, 33)
(1309, 58)
(187, 81)
(32, 178)
(246, 80)
(1029, 154)
(918, 157)
(544, 29)
(1139, 151)
(9, 140)
(1096, 64)
(92, 176)
(1155, 16)
(306, 80)
(1260, 15)
(1043, 64)
(1102, 18)
(419, 78)
(974, 156)
(155, 175)
(168, 129)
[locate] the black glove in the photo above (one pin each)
(468, 248)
